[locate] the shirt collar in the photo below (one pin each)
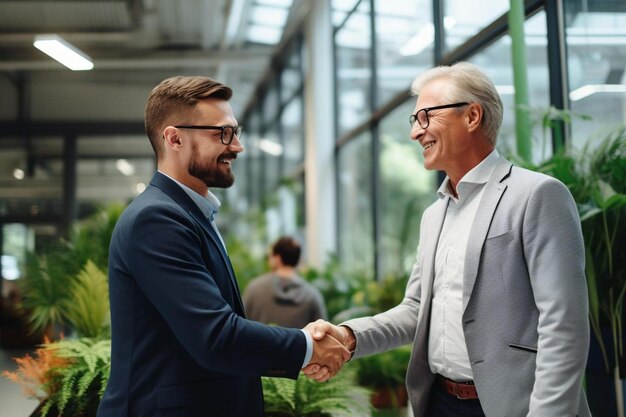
(480, 174)
(208, 204)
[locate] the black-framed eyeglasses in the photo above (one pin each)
(227, 135)
(422, 114)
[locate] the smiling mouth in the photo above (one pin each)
(429, 145)
(227, 159)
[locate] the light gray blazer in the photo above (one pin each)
(525, 305)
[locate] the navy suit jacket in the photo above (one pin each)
(181, 345)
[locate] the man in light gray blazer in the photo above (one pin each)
(496, 306)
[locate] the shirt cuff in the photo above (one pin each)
(309, 348)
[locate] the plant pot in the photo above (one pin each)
(390, 397)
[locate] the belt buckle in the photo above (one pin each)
(457, 392)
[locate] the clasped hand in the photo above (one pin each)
(330, 350)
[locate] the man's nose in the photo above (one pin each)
(417, 131)
(236, 145)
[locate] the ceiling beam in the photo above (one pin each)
(63, 128)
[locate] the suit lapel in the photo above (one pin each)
(206, 224)
(180, 196)
(478, 233)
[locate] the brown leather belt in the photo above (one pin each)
(461, 390)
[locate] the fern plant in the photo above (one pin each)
(88, 311)
(338, 397)
(81, 382)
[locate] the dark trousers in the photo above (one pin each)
(442, 404)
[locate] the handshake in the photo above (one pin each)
(332, 347)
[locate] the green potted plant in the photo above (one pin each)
(49, 274)
(596, 178)
(385, 375)
(68, 377)
(338, 397)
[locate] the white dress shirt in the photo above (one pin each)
(447, 351)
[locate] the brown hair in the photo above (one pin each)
(175, 96)
(288, 249)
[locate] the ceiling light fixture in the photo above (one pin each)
(63, 51)
(125, 167)
(18, 174)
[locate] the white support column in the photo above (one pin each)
(321, 222)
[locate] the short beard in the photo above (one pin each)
(211, 175)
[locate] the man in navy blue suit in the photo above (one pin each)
(181, 345)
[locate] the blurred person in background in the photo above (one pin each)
(281, 296)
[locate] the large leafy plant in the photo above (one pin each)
(338, 397)
(54, 276)
(596, 177)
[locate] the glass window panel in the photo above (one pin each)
(277, 3)
(18, 240)
(404, 48)
(269, 144)
(270, 104)
(340, 9)
(291, 76)
(269, 16)
(596, 47)
(253, 176)
(464, 19)
(356, 241)
(266, 35)
(495, 61)
(293, 134)
(353, 43)
(407, 188)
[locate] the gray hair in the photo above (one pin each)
(470, 84)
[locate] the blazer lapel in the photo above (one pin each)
(478, 233)
(173, 190)
(206, 224)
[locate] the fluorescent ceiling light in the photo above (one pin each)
(63, 51)
(589, 89)
(124, 167)
(270, 147)
(18, 174)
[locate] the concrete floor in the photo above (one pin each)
(13, 403)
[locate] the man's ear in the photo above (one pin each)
(474, 116)
(172, 138)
